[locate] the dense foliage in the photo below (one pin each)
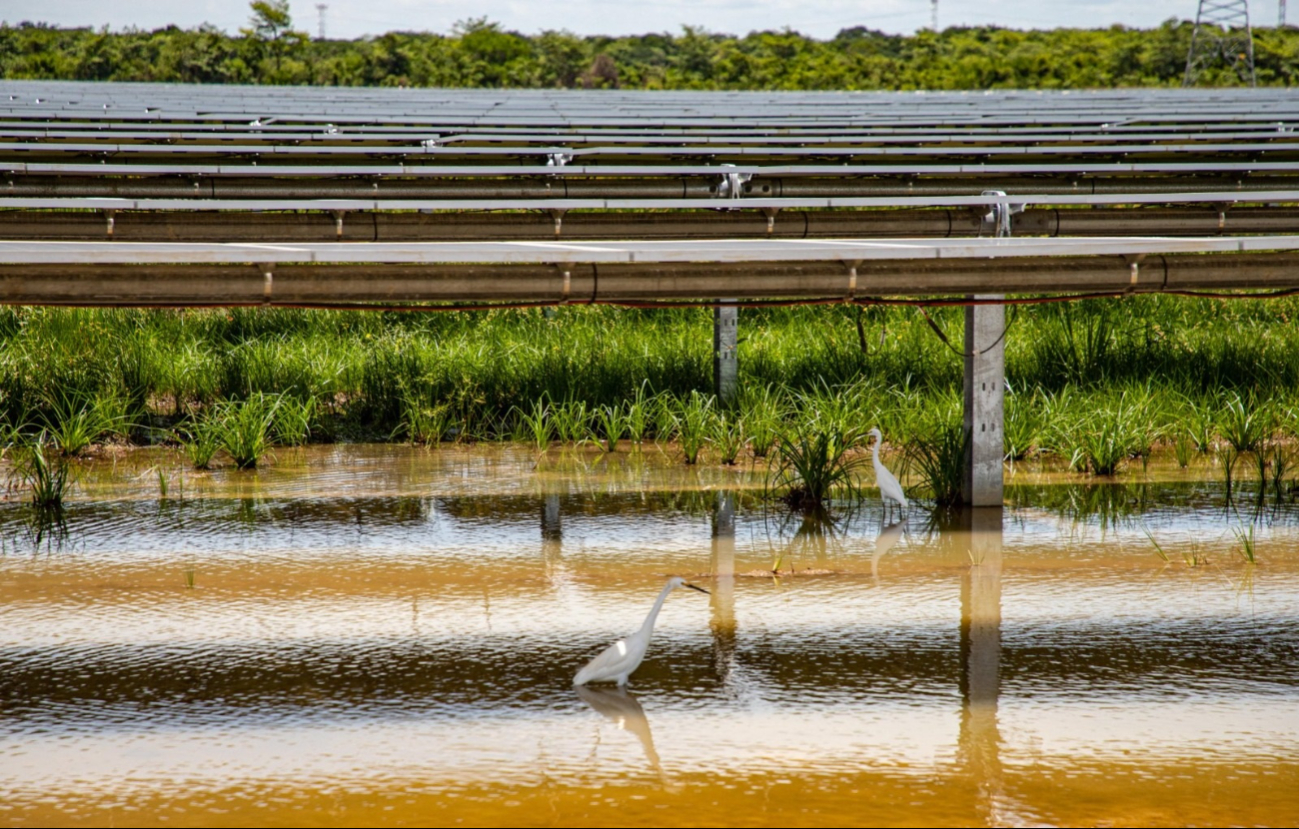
(479, 53)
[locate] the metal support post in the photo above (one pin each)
(726, 370)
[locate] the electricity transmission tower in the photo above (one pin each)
(1221, 31)
(320, 22)
(933, 14)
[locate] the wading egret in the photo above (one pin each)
(618, 660)
(890, 489)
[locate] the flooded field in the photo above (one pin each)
(365, 635)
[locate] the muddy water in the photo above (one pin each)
(379, 635)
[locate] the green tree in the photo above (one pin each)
(271, 26)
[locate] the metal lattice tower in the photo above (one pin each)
(320, 11)
(1221, 31)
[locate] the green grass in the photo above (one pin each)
(45, 472)
(245, 428)
(75, 421)
(726, 432)
(938, 456)
(813, 463)
(692, 418)
(1245, 538)
(200, 440)
(1096, 384)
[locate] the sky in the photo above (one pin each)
(818, 18)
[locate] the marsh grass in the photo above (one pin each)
(430, 377)
(612, 421)
(1183, 450)
(245, 428)
(200, 441)
(45, 472)
(1245, 424)
(692, 424)
(726, 433)
(1245, 540)
(74, 421)
(1195, 555)
(293, 420)
(938, 457)
(423, 421)
(1120, 428)
(572, 419)
(1159, 549)
(813, 463)
(763, 412)
(640, 414)
(537, 425)
(1023, 426)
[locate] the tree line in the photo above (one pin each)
(481, 53)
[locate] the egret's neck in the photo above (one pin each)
(653, 616)
(875, 451)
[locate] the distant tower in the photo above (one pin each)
(1280, 14)
(320, 20)
(1221, 31)
(933, 14)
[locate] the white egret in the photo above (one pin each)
(618, 660)
(890, 489)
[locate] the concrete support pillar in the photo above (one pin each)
(985, 385)
(726, 370)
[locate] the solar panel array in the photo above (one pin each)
(82, 162)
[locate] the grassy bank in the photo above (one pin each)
(1098, 383)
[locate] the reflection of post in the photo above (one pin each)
(723, 592)
(552, 528)
(981, 656)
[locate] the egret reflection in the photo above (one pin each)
(885, 541)
(620, 707)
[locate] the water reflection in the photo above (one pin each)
(620, 707)
(980, 740)
(722, 601)
(552, 531)
(885, 541)
(392, 643)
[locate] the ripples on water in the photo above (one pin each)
(386, 635)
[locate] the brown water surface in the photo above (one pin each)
(362, 635)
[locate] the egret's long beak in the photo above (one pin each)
(695, 587)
